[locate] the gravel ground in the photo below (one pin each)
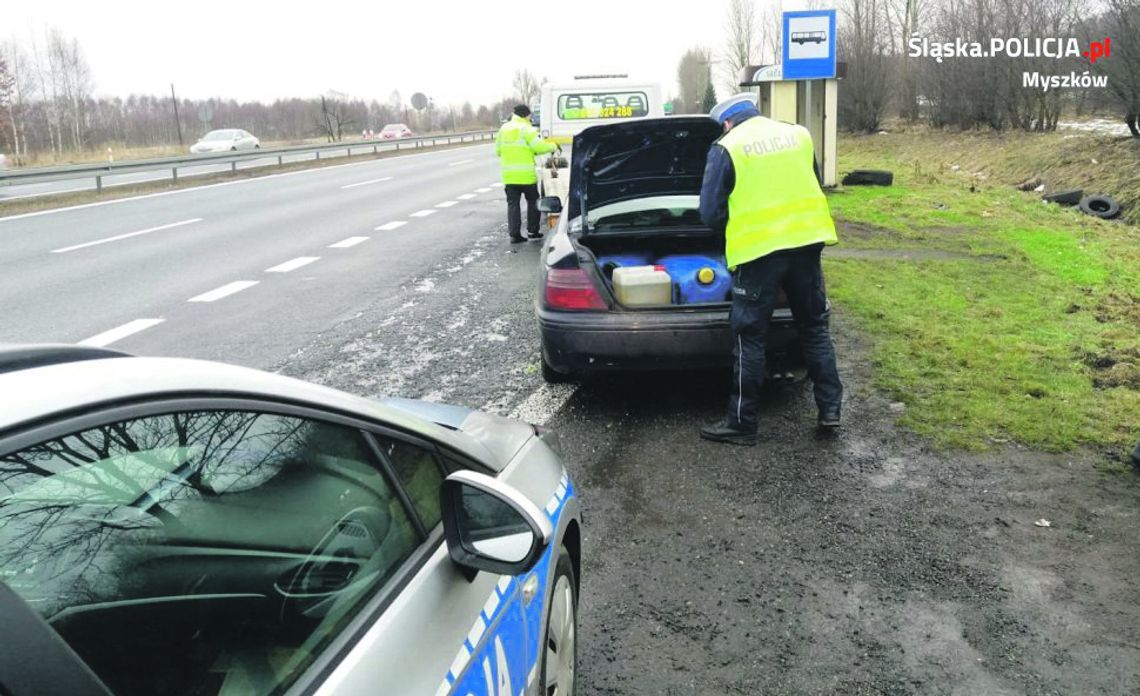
(865, 563)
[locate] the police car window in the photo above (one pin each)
(209, 552)
(420, 475)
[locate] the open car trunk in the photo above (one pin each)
(634, 202)
(681, 257)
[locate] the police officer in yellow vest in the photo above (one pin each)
(761, 187)
(516, 144)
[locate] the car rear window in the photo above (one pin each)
(601, 105)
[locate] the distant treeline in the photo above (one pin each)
(47, 106)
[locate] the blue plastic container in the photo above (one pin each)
(687, 288)
(613, 261)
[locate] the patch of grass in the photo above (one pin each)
(1029, 332)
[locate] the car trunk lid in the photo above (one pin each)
(620, 163)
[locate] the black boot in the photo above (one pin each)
(829, 418)
(517, 240)
(723, 432)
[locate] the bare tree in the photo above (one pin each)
(741, 40)
(693, 76)
(7, 88)
(334, 116)
(1121, 22)
(863, 99)
(526, 86)
(73, 79)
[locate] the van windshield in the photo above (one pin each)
(587, 105)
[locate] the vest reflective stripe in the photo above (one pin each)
(776, 203)
(516, 144)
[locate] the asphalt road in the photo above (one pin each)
(867, 563)
(18, 191)
(73, 274)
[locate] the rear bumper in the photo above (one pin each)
(581, 342)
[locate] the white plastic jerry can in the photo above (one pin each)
(642, 286)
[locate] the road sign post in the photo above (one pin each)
(809, 45)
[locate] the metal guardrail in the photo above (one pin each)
(98, 170)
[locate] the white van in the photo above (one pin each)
(570, 108)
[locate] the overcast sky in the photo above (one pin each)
(451, 50)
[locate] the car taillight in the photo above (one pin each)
(570, 288)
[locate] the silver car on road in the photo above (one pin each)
(225, 140)
(184, 527)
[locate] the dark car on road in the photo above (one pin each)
(634, 199)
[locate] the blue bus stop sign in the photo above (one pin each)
(809, 45)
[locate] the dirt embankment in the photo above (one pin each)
(1096, 163)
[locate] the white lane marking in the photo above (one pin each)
(465, 196)
(497, 184)
(482, 190)
(366, 183)
(128, 235)
(117, 334)
(446, 204)
(423, 213)
(459, 162)
(189, 189)
(350, 242)
(389, 226)
(224, 291)
(293, 265)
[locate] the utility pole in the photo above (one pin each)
(177, 121)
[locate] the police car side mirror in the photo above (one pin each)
(491, 526)
(550, 204)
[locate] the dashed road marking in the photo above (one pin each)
(446, 204)
(423, 213)
(465, 196)
(293, 265)
(366, 183)
(497, 184)
(224, 291)
(350, 242)
(120, 332)
(482, 190)
(128, 235)
(459, 162)
(389, 226)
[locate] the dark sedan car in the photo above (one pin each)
(633, 201)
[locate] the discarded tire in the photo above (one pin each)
(1065, 197)
(869, 177)
(1102, 207)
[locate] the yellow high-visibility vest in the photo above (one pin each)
(516, 144)
(777, 203)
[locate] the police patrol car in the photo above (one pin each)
(184, 527)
